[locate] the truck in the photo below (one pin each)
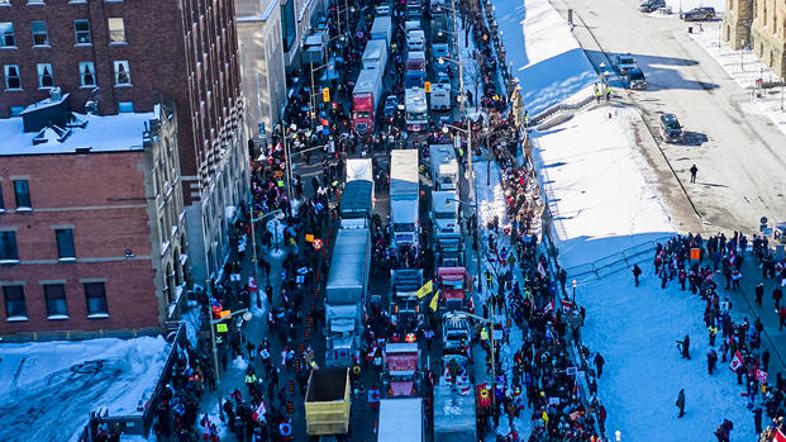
(416, 40)
(414, 9)
(454, 414)
(444, 167)
(345, 296)
(445, 214)
(404, 197)
(404, 304)
(375, 56)
(401, 420)
(441, 97)
(328, 402)
(401, 376)
(365, 99)
(382, 29)
(415, 74)
(357, 201)
(315, 48)
(416, 109)
(440, 39)
(453, 284)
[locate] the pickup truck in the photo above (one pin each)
(699, 14)
(328, 402)
(671, 128)
(623, 63)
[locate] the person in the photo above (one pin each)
(681, 402)
(599, 361)
(636, 274)
(757, 419)
(597, 93)
(684, 346)
(712, 359)
(777, 295)
(693, 171)
(759, 293)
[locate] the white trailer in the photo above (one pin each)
(376, 55)
(444, 167)
(401, 420)
(382, 29)
(416, 109)
(404, 196)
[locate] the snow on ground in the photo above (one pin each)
(687, 5)
(745, 68)
(590, 170)
(545, 57)
(491, 197)
(48, 389)
(635, 330)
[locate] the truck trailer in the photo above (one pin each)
(404, 197)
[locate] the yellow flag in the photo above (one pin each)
(433, 304)
(425, 290)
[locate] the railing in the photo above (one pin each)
(616, 262)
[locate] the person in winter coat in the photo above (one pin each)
(636, 274)
(759, 293)
(757, 419)
(681, 402)
(599, 361)
(712, 359)
(684, 347)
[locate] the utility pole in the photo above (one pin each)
(288, 160)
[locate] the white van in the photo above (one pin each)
(416, 40)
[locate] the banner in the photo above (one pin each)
(433, 304)
(736, 361)
(425, 290)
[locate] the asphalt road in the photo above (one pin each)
(741, 164)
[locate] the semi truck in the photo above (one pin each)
(401, 376)
(376, 55)
(357, 200)
(365, 99)
(328, 403)
(382, 29)
(416, 109)
(345, 296)
(404, 197)
(441, 95)
(445, 215)
(454, 414)
(453, 283)
(444, 167)
(404, 303)
(401, 420)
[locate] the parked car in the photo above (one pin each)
(652, 5)
(671, 128)
(623, 63)
(636, 79)
(699, 14)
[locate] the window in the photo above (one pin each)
(17, 110)
(40, 33)
(122, 73)
(8, 251)
(117, 30)
(15, 308)
(82, 32)
(125, 107)
(288, 29)
(56, 306)
(45, 78)
(95, 294)
(7, 39)
(65, 243)
(22, 192)
(13, 81)
(87, 74)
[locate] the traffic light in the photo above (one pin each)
(427, 86)
(326, 95)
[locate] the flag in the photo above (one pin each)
(779, 436)
(549, 307)
(425, 290)
(541, 269)
(433, 304)
(736, 361)
(566, 305)
(761, 376)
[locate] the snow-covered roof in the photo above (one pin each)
(113, 133)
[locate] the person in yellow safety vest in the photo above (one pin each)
(251, 377)
(545, 417)
(607, 92)
(488, 280)
(484, 336)
(597, 93)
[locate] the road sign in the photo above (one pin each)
(317, 243)
(309, 237)
(427, 86)
(222, 328)
(224, 313)
(695, 254)
(326, 95)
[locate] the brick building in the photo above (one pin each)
(121, 56)
(761, 26)
(90, 237)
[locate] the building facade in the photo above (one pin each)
(761, 26)
(259, 30)
(91, 233)
(123, 56)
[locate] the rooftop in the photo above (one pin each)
(112, 133)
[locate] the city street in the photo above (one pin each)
(740, 157)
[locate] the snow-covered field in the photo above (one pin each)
(591, 172)
(48, 389)
(745, 68)
(545, 57)
(635, 330)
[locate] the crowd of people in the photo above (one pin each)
(702, 267)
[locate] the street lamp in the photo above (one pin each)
(490, 322)
(742, 55)
(213, 322)
(618, 436)
(313, 92)
(346, 9)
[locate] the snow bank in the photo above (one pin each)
(687, 5)
(635, 330)
(592, 176)
(491, 197)
(546, 58)
(48, 389)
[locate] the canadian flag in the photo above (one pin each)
(566, 305)
(541, 269)
(549, 307)
(779, 436)
(736, 362)
(252, 284)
